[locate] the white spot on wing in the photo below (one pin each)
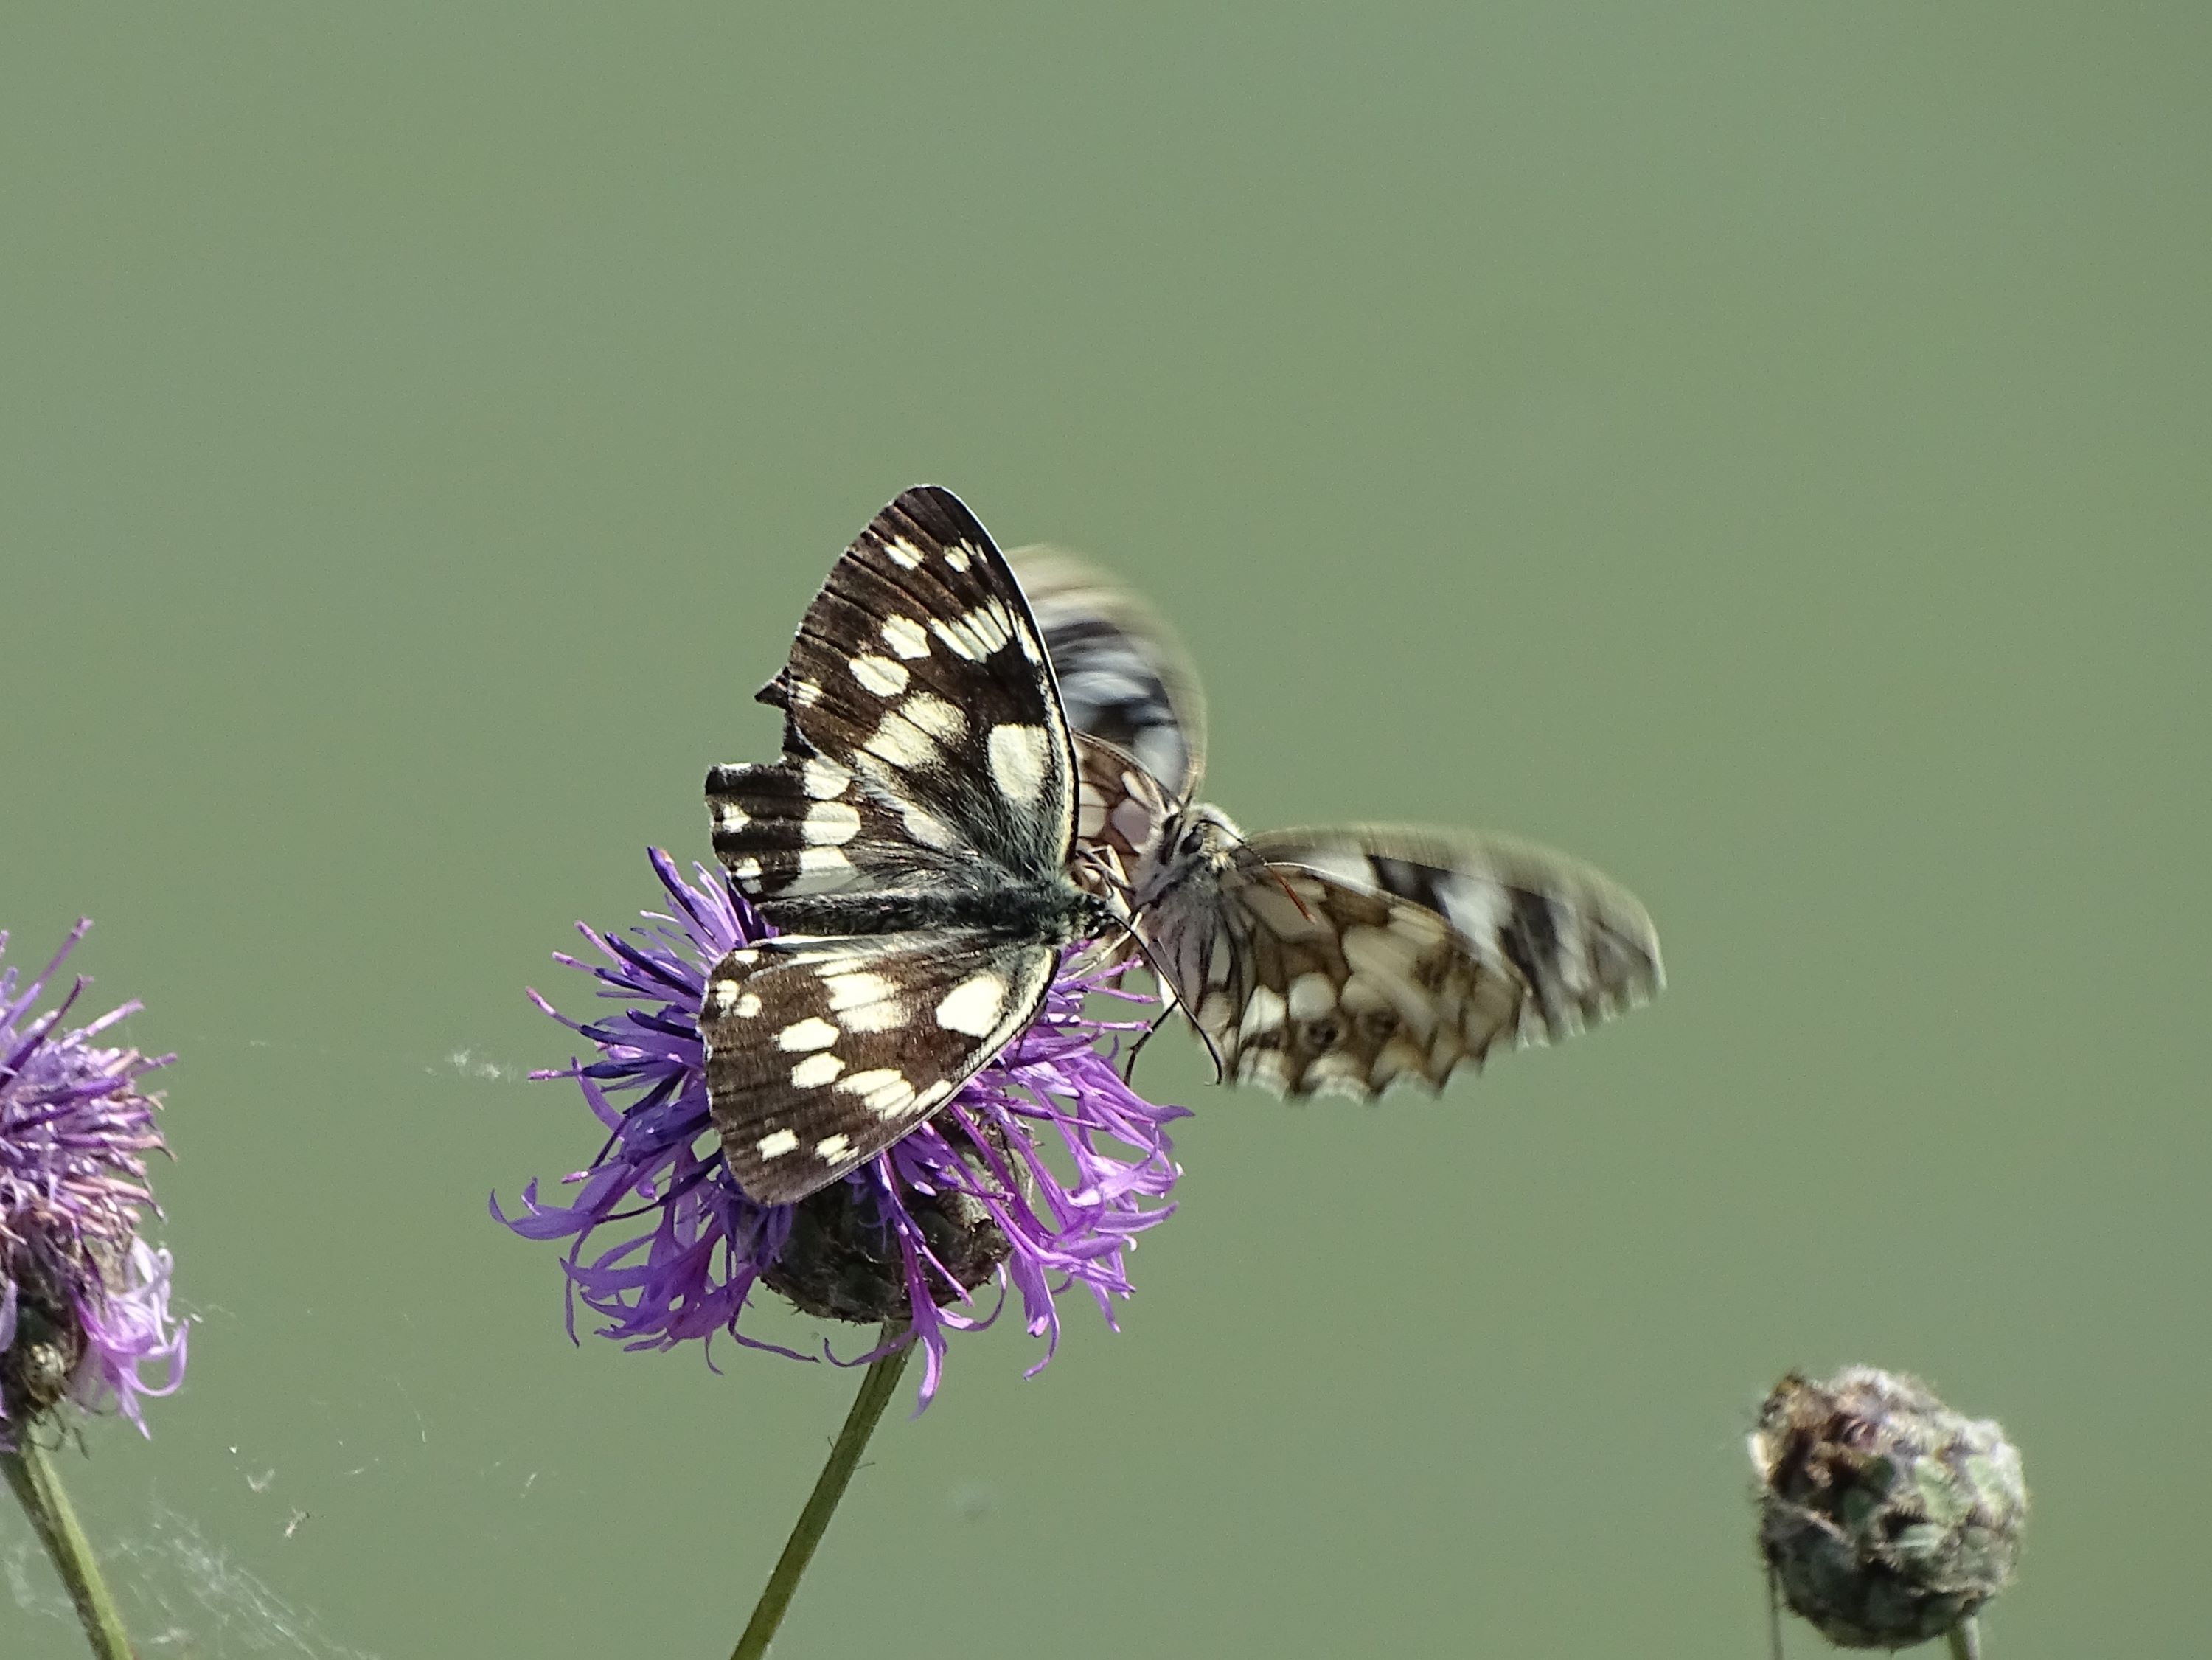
(930, 831)
(880, 675)
(884, 1090)
(820, 861)
(934, 717)
(811, 1033)
(723, 998)
(815, 1070)
(958, 639)
(905, 636)
(1312, 995)
(823, 781)
(957, 556)
(729, 815)
(745, 870)
(899, 741)
(857, 990)
(1018, 756)
(776, 1144)
(831, 824)
(973, 1006)
(1263, 1013)
(990, 625)
(830, 1148)
(902, 553)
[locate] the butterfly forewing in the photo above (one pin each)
(821, 1052)
(913, 843)
(918, 667)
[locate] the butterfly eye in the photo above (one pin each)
(1194, 842)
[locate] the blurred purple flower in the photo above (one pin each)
(84, 1303)
(966, 1197)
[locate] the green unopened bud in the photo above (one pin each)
(1885, 1519)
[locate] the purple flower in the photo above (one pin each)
(969, 1197)
(84, 1301)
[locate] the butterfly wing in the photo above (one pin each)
(1124, 810)
(923, 729)
(1584, 945)
(1124, 675)
(821, 1052)
(1306, 985)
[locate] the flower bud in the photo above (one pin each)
(1885, 1519)
(842, 1260)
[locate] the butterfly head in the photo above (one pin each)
(1197, 844)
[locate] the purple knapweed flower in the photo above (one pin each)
(969, 1196)
(84, 1301)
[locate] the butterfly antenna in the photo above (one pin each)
(1252, 860)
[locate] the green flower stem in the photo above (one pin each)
(877, 1385)
(40, 1491)
(1966, 1640)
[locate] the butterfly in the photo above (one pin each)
(912, 846)
(1336, 960)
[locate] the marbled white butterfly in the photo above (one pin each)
(1326, 960)
(913, 846)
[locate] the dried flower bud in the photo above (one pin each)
(1885, 1517)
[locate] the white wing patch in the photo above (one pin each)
(1018, 761)
(973, 1006)
(905, 636)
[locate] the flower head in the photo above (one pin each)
(1885, 1519)
(84, 1301)
(969, 1197)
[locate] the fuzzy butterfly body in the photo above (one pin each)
(1330, 961)
(912, 848)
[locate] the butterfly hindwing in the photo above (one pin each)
(821, 1052)
(1305, 985)
(1584, 945)
(807, 825)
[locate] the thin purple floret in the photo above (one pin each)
(74, 1129)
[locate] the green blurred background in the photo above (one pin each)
(1760, 449)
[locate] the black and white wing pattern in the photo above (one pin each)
(1345, 961)
(912, 845)
(1124, 676)
(1582, 945)
(1339, 960)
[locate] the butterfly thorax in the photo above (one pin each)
(1054, 913)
